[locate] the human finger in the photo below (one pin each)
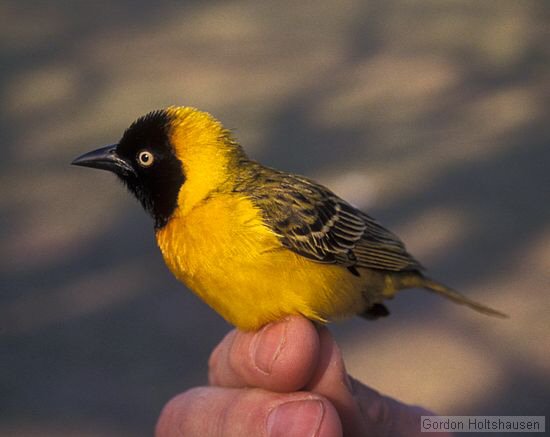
(217, 411)
(331, 381)
(280, 357)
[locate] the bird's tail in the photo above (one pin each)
(457, 297)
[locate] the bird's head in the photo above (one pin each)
(169, 159)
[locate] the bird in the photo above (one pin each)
(255, 243)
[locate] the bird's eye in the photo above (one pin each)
(145, 158)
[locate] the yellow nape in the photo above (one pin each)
(204, 147)
(224, 253)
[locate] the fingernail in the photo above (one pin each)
(296, 418)
(267, 345)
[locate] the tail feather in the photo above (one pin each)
(459, 298)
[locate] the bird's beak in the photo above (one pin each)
(105, 158)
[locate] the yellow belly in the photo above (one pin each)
(224, 253)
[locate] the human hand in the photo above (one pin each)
(286, 379)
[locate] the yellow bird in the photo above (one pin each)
(257, 244)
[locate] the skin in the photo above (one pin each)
(287, 379)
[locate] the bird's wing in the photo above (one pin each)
(315, 223)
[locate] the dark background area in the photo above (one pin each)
(431, 116)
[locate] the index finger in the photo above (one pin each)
(280, 357)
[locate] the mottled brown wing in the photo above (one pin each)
(315, 223)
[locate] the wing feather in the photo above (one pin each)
(312, 221)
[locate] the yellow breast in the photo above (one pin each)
(223, 251)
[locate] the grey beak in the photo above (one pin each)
(105, 158)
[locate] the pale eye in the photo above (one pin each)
(145, 158)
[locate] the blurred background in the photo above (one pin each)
(432, 116)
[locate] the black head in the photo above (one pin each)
(145, 161)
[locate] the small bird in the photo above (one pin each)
(257, 244)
